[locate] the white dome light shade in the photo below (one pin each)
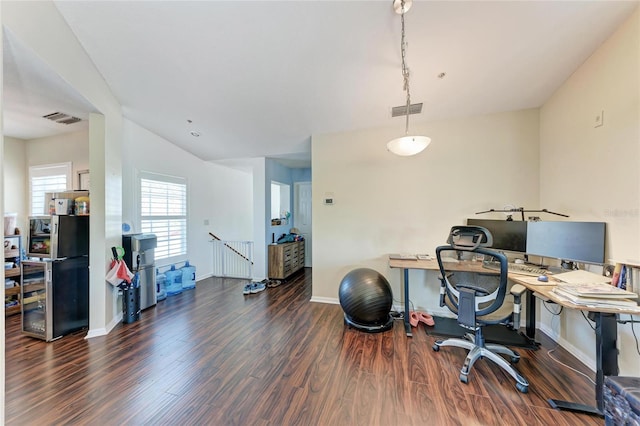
(408, 145)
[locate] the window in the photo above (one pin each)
(47, 178)
(280, 200)
(163, 212)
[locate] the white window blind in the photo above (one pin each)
(163, 212)
(47, 178)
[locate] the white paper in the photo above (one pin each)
(580, 277)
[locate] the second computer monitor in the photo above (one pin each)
(574, 241)
(507, 235)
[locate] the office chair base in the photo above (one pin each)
(490, 351)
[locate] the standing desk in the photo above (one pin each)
(605, 319)
(429, 265)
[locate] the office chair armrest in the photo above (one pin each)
(517, 289)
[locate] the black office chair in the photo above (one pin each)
(477, 298)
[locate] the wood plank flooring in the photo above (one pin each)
(212, 356)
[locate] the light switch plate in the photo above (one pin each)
(599, 121)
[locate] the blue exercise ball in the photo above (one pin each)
(366, 299)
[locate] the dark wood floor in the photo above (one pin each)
(212, 356)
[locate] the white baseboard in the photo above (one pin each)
(105, 330)
(330, 300)
(96, 332)
(441, 312)
(203, 277)
(582, 357)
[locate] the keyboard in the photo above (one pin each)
(517, 268)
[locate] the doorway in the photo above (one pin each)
(302, 202)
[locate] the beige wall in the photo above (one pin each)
(22, 154)
(73, 147)
(593, 173)
(388, 204)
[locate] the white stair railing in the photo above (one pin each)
(232, 259)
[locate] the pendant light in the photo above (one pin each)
(406, 145)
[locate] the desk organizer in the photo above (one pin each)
(622, 401)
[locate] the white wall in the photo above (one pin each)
(15, 181)
(2, 208)
(388, 204)
(218, 194)
(592, 173)
(40, 27)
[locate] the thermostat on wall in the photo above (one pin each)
(328, 199)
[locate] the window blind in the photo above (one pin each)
(163, 212)
(47, 178)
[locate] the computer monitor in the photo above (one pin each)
(507, 235)
(572, 241)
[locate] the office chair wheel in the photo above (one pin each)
(515, 359)
(435, 347)
(522, 388)
(464, 379)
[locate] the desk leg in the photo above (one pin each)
(607, 353)
(407, 326)
(531, 316)
(606, 364)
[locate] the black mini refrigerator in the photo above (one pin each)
(55, 297)
(55, 289)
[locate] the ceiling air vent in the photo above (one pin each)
(402, 110)
(61, 118)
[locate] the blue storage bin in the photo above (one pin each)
(173, 279)
(161, 286)
(188, 276)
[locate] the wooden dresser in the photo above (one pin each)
(285, 259)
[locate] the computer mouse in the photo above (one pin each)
(543, 278)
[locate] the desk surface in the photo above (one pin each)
(525, 280)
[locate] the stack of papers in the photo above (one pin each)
(596, 294)
(403, 256)
(408, 256)
(597, 290)
(580, 276)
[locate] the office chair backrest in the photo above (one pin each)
(475, 239)
(469, 238)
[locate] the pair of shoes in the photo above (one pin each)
(414, 318)
(273, 283)
(257, 287)
(426, 318)
(417, 317)
(246, 289)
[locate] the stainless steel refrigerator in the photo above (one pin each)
(55, 290)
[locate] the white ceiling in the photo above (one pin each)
(258, 78)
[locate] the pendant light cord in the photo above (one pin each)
(405, 70)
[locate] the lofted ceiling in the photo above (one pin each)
(258, 78)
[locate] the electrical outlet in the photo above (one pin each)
(599, 121)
